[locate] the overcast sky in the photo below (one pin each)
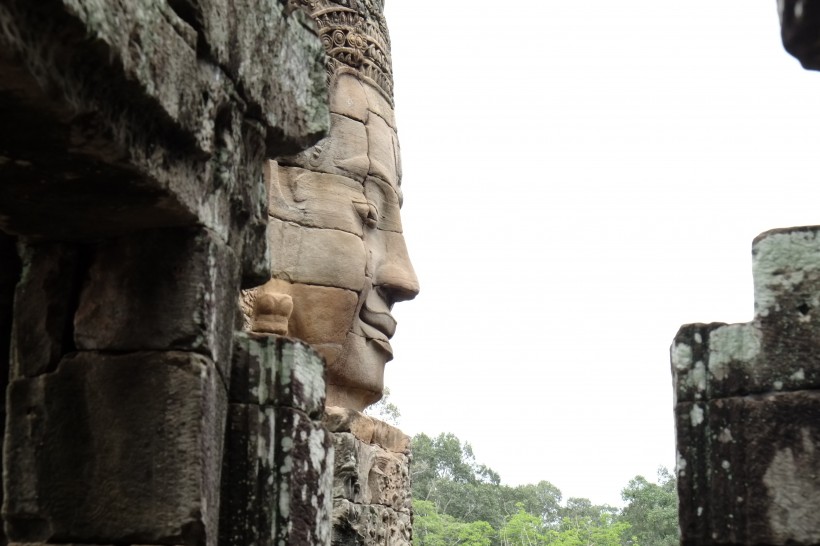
(580, 179)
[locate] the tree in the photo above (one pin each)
(384, 410)
(542, 499)
(523, 529)
(460, 502)
(652, 509)
(430, 528)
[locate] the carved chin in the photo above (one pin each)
(359, 370)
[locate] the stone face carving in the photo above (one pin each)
(335, 233)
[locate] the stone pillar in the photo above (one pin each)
(371, 481)
(278, 465)
(747, 407)
(117, 398)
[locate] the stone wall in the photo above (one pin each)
(131, 159)
(747, 407)
(371, 481)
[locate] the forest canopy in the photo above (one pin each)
(457, 501)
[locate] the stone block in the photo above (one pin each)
(382, 147)
(371, 525)
(690, 355)
(277, 60)
(157, 50)
(116, 448)
(305, 465)
(343, 152)
(248, 477)
(366, 429)
(322, 314)
(300, 254)
(378, 104)
(158, 290)
(369, 474)
(248, 211)
(749, 470)
(723, 360)
(45, 301)
(273, 370)
(348, 97)
(313, 199)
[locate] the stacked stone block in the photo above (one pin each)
(278, 469)
(747, 407)
(131, 159)
(116, 404)
(371, 481)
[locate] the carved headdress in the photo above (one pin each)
(354, 33)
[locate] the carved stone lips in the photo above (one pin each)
(377, 325)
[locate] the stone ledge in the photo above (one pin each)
(366, 429)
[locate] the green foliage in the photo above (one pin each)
(433, 529)
(384, 410)
(652, 509)
(460, 502)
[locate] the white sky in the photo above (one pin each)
(580, 179)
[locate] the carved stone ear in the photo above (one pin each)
(271, 313)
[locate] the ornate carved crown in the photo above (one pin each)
(354, 33)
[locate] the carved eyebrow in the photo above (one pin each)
(387, 188)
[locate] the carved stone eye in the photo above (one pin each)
(368, 212)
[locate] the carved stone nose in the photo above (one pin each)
(398, 281)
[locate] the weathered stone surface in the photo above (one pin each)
(312, 199)
(112, 448)
(273, 57)
(752, 474)
(690, 357)
(301, 255)
(45, 302)
(163, 184)
(748, 407)
(335, 209)
(383, 150)
(343, 152)
(369, 474)
(178, 282)
(378, 104)
(369, 525)
(305, 478)
(249, 487)
(277, 480)
(321, 313)
(349, 97)
(371, 480)
(106, 142)
(366, 429)
(273, 370)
